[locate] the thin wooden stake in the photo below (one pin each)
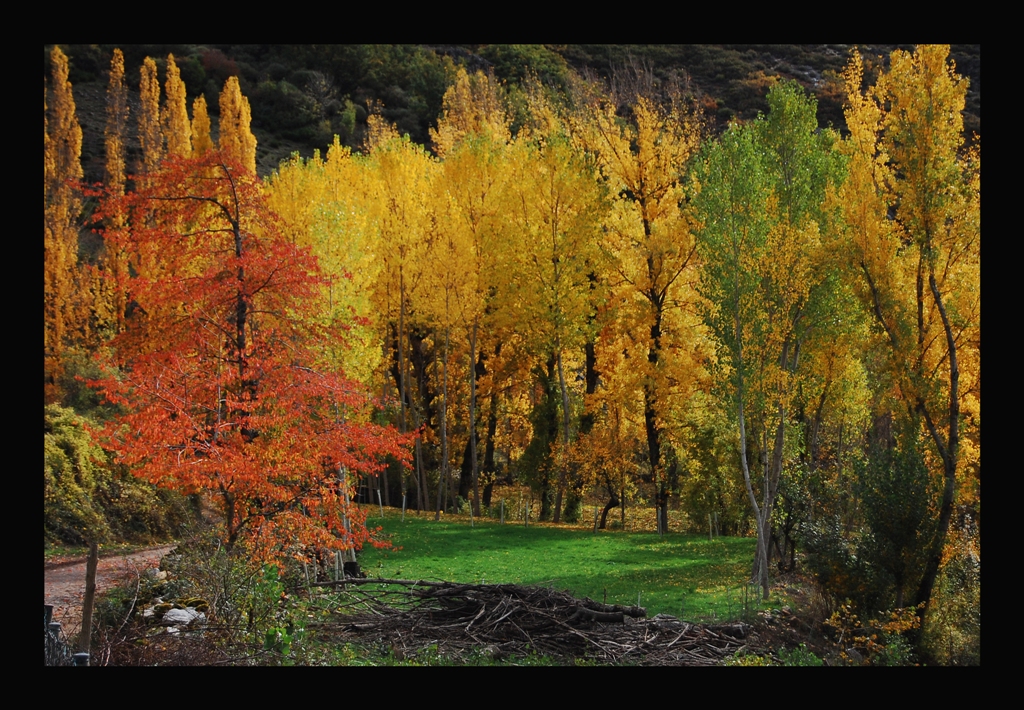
(85, 638)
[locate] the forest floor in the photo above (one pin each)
(773, 629)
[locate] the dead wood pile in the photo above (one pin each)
(507, 621)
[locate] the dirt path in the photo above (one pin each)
(64, 584)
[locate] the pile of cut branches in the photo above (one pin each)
(508, 621)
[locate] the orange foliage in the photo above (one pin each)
(220, 372)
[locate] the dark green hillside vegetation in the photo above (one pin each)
(302, 95)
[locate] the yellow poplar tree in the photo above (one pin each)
(62, 149)
(913, 206)
(398, 179)
(150, 135)
(651, 238)
(177, 129)
(116, 125)
(323, 205)
(202, 142)
(444, 285)
(114, 176)
(471, 106)
(236, 139)
(555, 213)
(472, 137)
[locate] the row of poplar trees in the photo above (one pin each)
(85, 303)
(608, 301)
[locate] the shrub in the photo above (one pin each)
(72, 472)
(881, 643)
(952, 633)
(747, 659)
(876, 558)
(86, 498)
(799, 656)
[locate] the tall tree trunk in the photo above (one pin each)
(419, 361)
(550, 425)
(650, 401)
(613, 500)
(492, 428)
(948, 450)
(465, 488)
(472, 420)
(443, 478)
(565, 434)
(761, 558)
(403, 394)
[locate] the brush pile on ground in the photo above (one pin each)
(507, 621)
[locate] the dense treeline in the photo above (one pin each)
(582, 289)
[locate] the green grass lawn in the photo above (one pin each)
(684, 575)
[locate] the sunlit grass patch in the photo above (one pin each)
(684, 575)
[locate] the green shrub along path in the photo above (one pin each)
(687, 576)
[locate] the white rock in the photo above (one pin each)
(182, 616)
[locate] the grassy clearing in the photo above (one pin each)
(684, 575)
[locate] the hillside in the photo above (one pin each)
(302, 95)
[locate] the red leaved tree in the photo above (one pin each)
(221, 368)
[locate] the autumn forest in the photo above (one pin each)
(587, 291)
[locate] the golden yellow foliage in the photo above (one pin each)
(117, 123)
(177, 129)
(62, 168)
(323, 204)
(471, 107)
(236, 139)
(651, 241)
(114, 139)
(202, 142)
(913, 206)
(150, 135)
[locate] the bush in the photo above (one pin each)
(236, 590)
(86, 498)
(747, 659)
(799, 656)
(73, 469)
(251, 618)
(192, 73)
(877, 559)
(898, 495)
(881, 643)
(217, 66)
(952, 634)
